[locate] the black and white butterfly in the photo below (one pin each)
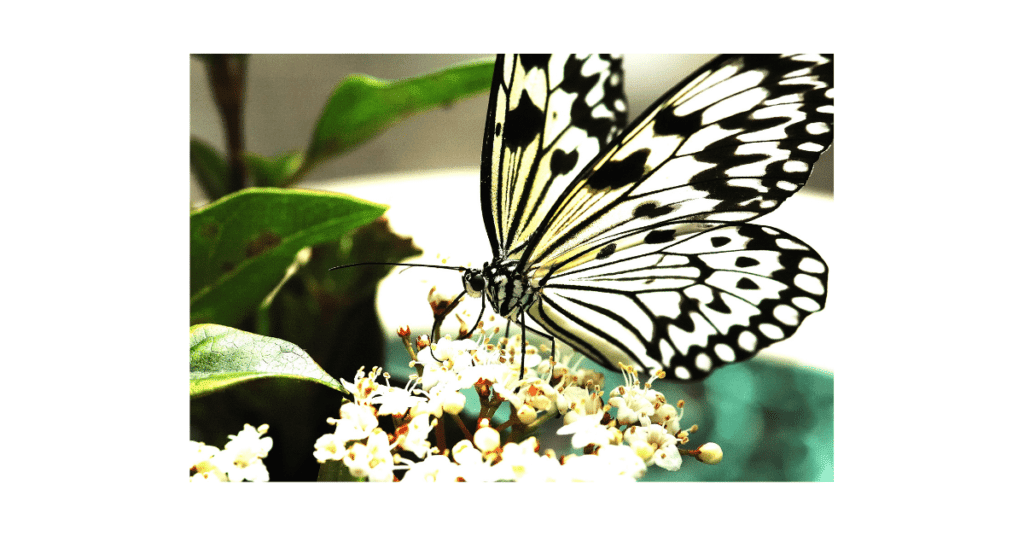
(629, 244)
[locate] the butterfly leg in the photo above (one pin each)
(435, 330)
(483, 307)
(522, 356)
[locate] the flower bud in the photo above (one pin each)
(526, 414)
(709, 453)
(487, 439)
(453, 403)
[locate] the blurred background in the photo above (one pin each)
(772, 415)
(286, 93)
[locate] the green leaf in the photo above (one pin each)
(335, 471)
(242, 244)
(363, 106)
(220, 356)
(210, 168)
(272, 171)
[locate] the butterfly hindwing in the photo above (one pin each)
(695, 303)
(548, 117)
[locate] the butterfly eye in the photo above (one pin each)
(473, 280)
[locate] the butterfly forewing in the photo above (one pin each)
(548, 117)
(729, 143)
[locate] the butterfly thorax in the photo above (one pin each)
(506, 286)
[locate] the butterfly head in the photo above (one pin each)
(473, 280)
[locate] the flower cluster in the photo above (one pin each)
(241, 459)
(617, 440)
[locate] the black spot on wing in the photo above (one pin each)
(563, 162)
(719, 241)
(524, 124)
(606, 251)
(718, 304)
(746, 283)
(497, 129)
(650, 209)
(616, 174)
(746, 262)
(667, 123)
(659, 237)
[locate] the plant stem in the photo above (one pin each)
(227, 79)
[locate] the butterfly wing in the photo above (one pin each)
(643, 259)
(548, 117)
(701, 300)
(729, 143)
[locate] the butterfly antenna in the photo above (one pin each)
(437, 323)
(409, 264)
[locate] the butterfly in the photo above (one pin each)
(630, 244)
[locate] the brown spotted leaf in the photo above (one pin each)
(242, 244)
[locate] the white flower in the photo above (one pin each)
(356, 423)
(434, 468)
(593, 468)
(373, 460)
(413, 436)
(622, 461)
(514, 349)
(541, 469)
(588, 430)
(567, 369)
(246, 452)
(540, 395)
(328, 447)
(394, 400)
(442, 364)
(487, 367)
(639, 403)
(520, 462)
(472, 467)
(528, 397)
(632, 406)
(364, 386)
(667, 416)
(573, 401)
(203, 460)
(655, 445)
(427, 406)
